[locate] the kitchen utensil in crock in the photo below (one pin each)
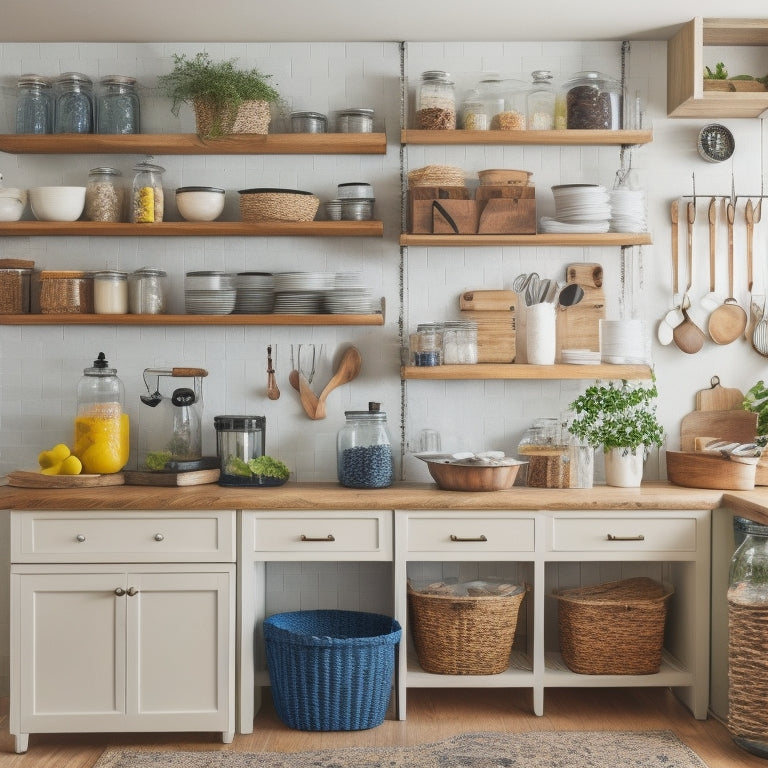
(348, 369)
(710, 301)
(728, 321)
(273, 391)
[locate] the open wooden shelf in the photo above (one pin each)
(195, 229)
(608, 239)
(553, 138)
(521, 371)
(192, 144)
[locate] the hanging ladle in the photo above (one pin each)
(273, 392)
(151, 399)
(688, 337)
(710, 301)
(729, 320)
(571, 294)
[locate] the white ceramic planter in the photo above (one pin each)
(624, 468)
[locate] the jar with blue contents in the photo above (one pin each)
(364, 450)
(74, 103)
(34, 105)
(118, 106)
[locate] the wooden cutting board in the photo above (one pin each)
(732, 425)
(578, 327)
(494, 313)
(24, 479)
(719, 398)
(192, 477)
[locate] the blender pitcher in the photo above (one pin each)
(171, 429)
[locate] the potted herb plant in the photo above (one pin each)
(622, 419)
(226, 99)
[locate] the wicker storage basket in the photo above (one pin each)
(277, 205)
(616, 628)
(249, 117)
(456, 635)
(331, 670)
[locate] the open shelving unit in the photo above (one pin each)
(517, 371)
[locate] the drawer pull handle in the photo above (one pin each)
(119, 591)
(80, 538)
(329, 537)
(159, 537)
(132, 591)
(611, 537)
(481, 537)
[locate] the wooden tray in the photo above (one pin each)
(191, 477)
(698, 469)
(24, 479)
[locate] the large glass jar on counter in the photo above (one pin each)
(118, 109)
(435, 101)
(148, 198)
(102, 438)
(34, 105)
(74, 103)
(593, 101)
(364, 450)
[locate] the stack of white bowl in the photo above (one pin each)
(209, 293)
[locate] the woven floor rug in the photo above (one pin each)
(533, 749)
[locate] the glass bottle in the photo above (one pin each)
(102, 439)
(747, 661)
(104, 195)
(74, 103)
(147, 207)
(541, 102)
(118, 109)
(435, 101)
(364, 450)
(34, 105)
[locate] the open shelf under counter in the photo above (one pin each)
(519, 371)
(552, 138)
(194, 229)
(608, 239)
(192, 144)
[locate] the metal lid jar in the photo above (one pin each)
(148, 197)
(357, 120)
(104, 195)
(146, 291)
(239, 439)
(540, 103)
(435, 101)
(34, 104)
(364, 450)
(118, 109)
(74, 112)
(308, 122)
(593, 101)
(110, 292)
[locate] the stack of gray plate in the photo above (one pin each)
(209, 293)
(349, 296)
(255, 293)
(301, 293)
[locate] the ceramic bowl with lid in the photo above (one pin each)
(12, 203)
(200, 203)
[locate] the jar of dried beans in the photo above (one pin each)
(104, 195)
(593, 101)
(436, 102)
(147, 205)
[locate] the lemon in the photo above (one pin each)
(46, 459)
(101, 459)
(71, 466)
(60, 451)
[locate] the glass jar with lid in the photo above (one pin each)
(147, 207)
(34, 104)
(74, 103)
(473, 114)
(593, 101)
(427, 344)
(435, 101)
(110, 292)
(541, 101)
(364, 449)
(146, 291)
(460, 342)
(118, 109)
(513, 115)
(104, 195)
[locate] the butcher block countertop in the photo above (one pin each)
(414, 496)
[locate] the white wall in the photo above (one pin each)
(40, 366)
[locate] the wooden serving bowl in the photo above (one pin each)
(700, 469)
(504, 176)
(451, 476)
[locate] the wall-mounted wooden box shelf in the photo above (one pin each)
(686, 96)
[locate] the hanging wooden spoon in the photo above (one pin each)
(688, 337)
(755, 301)
(348, 369)
(710, 301)
(273, 392)
(673, 317)
(728, 321)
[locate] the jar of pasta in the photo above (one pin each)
(147, 205)
(435, 101)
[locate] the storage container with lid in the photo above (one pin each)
(104, 195)
(459, 342)
(555, 458)
(110, 292)
(355, 120)
(435, 101)
(74, 111)
(593, 101)
(102, 437)
(540, 104)
(239, 439)
(148, 196)
(427, 344)
(14, 290)
(62, 292)
(146, 291)
(308, 122)
(364, 450)
(34, 104)
(513, 116)
(473, 114)
(117, 106)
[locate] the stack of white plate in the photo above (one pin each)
(349, 296)
(301, 293)
(580, 356)
(255, 293)
(579, 208)
(624, 342)
(628, 210)
(209, 293)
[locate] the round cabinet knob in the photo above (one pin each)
(119, 591)
(159, 537)
(80, 538)
(132, 591)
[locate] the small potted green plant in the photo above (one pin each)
(622, 419)
(226, 99)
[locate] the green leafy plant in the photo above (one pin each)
(756, 401)
(720, 73)
(219, 84)
(263, 466)
(617, 416)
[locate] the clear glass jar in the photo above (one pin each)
(593, 101)
(34, 105)
(102, 432)
(104, 195)
(473, 114)
(427, 344)
(146, 291)
(238, 440)
(74, 103)
(490, 92)
(747, 661)
(118, 108)
(513, 115)
(147, 207)
(460, 342)
(435, 102)
(540, 105)
(364, 450)
(110, 292)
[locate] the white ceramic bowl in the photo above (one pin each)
(200, 203)
(12, 203)
(57, 203)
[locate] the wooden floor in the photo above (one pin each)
(433, 714)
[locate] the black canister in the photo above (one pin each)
(364, 450)
(239, 440)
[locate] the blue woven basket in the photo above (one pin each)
(331, 670)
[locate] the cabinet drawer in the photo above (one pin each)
(135, 536)
(326, 535)
(623, 534)
(472, 533)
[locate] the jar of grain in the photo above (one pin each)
(473, 114)
(148, 198)
(593, 101)
(62, 292)
(146, 291)
(364, 449)
(513, 115)
(435, 102)
(540, 105)
(14, 291)
(104, 195)
(110, 293)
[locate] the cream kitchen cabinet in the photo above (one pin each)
(122, 621)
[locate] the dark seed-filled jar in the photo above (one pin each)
(593, 101)
(364, 450)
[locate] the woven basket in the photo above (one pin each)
(436, 176)
(457, 635)
(616, 628)
(331, 670)
(277, 205)
(249, 117)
